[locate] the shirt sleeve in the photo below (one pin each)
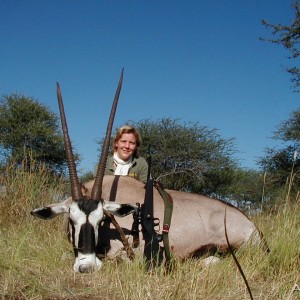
(143, 174)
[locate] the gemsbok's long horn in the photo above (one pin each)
(75, 186)
(97, 187)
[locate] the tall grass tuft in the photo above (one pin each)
(24, 188)
(36, 260)
(291, 179)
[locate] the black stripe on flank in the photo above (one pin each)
(114, 187)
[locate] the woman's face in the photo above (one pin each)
(126, 146)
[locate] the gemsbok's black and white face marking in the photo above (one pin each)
(84, 219)
(85, 216)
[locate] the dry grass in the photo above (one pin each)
(36, 260)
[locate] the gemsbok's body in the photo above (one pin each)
(197, 225)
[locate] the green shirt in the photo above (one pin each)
(137, 170)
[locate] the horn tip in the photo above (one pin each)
(57, 87)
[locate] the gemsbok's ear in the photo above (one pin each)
(119, 210)
(51, 211)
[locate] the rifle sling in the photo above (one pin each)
(168, 202)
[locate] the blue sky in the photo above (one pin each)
(196, 60)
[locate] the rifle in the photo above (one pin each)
(149, 222)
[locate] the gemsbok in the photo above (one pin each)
(197, 225)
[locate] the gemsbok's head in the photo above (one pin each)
(85, 213)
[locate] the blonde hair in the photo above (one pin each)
(128, 129)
